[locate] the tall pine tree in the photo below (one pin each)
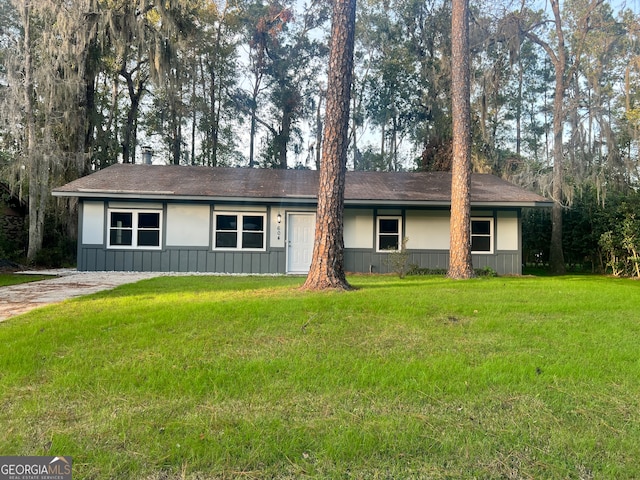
(327, 264)
(460, 265)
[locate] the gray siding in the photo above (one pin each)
(180, 260)
(92, 257)
(504, 263)
(203, 260)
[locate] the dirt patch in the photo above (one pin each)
(8, 310)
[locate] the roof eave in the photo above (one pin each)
(447, 203)
(521, 204)
(288, 199)
(102, 194)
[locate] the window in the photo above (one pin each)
(389, 233)
(239, 231)
(134, 229)
(482, 235)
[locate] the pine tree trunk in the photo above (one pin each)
(254, 121)
(519, 107)
(327, 265)
(460, 264)
(130, 131)
(318, 151)
(556, 255)
(252, 138)
(284, 136)
(31, 152)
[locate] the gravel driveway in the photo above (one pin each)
(17, 299)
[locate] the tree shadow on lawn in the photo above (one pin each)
(200, 283)
(280, 283)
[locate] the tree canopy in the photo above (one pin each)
(554, 93)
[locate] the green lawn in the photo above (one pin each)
(240, 377)
(7, 279)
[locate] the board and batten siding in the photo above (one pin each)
(428, 237)
(186, 243)
(366, 261)
(181, 260)
(187, 236)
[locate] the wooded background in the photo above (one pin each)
(555, 100)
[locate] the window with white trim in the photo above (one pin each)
(482, 235)
(388, 233)
(135, 229)
(239, 231)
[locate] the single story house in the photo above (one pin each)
(239, 220)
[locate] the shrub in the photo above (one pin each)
(398, 260)
(486, 271)
(620, 247)
(418, 270)
(62, 253)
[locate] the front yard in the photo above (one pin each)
(247, 377)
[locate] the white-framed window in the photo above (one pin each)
(388, 233)
(482, 235)
(135, 229)
(239, 231)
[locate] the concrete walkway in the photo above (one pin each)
(17, 299)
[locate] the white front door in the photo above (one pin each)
(300, 232)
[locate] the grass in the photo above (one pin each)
(241, 377)
(7, 279)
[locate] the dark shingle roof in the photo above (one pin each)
(194, 182)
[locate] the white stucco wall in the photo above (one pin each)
(358, 228)
(427, 230)
(188, 225)
(507, 231)
(92, 223)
